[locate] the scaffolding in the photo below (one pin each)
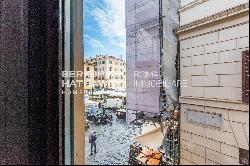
(143, 54)
(150, 37)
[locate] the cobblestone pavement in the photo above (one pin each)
(113, 142)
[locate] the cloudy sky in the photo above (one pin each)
(104, 27)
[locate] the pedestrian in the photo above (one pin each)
(92, 141)
(99, 105)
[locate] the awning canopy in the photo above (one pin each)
(152, 139)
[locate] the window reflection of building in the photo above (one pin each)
(108, 72)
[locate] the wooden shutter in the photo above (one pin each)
(245, 76)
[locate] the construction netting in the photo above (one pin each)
(153, 67)
(151, 55)
(143, 55)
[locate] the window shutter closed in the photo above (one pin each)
(245, 76)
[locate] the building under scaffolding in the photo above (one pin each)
(152, 67)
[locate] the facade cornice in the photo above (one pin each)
(192, 5)
(211, 20)
(215, 103)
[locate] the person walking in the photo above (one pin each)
(92, 141)
(99, 105)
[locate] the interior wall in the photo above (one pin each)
(14, 95)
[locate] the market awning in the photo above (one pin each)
(152, 139)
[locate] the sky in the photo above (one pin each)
(104, 28)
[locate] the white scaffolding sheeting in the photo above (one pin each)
(152, 47)
(143, 55)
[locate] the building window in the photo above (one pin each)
(245, 76)
(88, 68)
(110, 62)
(110, 69)
(103, 62)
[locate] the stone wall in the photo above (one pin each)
(211, 61)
